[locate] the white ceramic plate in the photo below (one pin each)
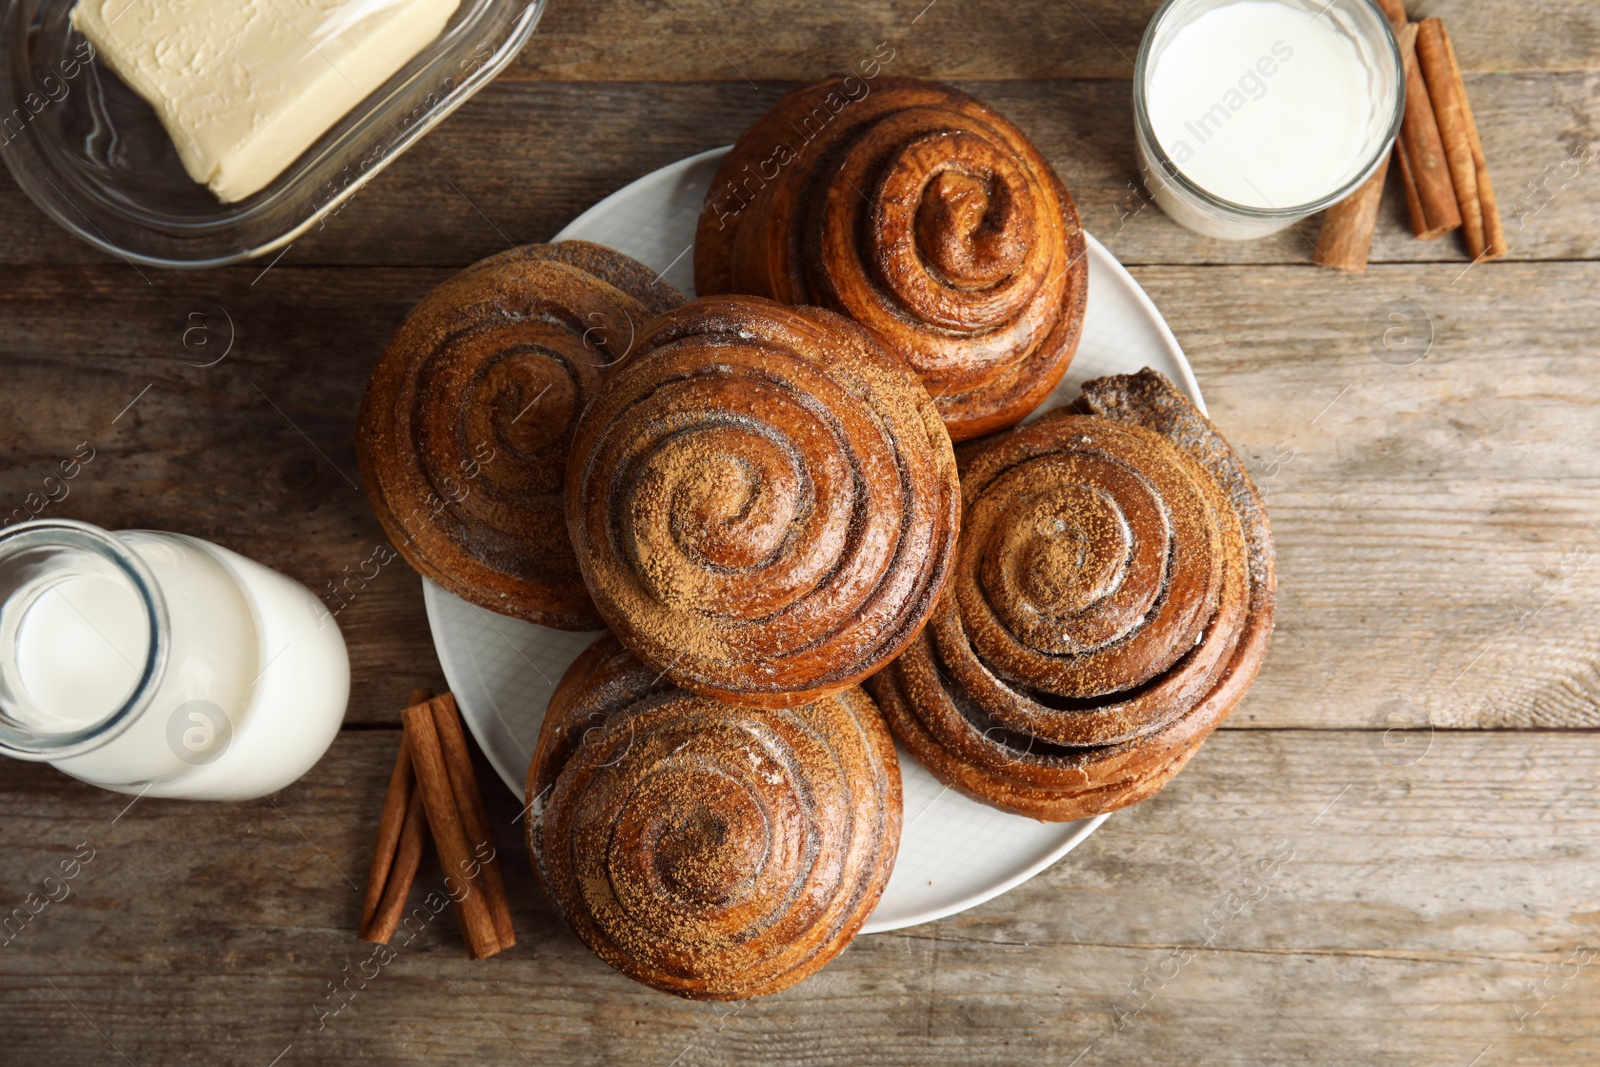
(954, 853)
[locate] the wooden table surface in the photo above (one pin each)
(1419, 755)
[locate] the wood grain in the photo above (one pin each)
(521, 160)
(1438, 522)
(255, 453)
(1290, 897)
(707, 40)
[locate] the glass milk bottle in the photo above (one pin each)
(160, 664)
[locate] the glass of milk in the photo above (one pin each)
(1252, 114)
(157, 663)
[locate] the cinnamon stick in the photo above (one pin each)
(1426, 162)
(408, 857)
(1409, 185)
(388, 877)
(1395, 11)
(1346, 237)
(1494, 232)
(449, 832)
(464, 783)
(1424, 172)
(1446, 93)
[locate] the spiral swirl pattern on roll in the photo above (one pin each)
(468, 417)
(705, 849)
(1111, 601)
(764, 502)
(920, 213)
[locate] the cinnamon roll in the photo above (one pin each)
(763, 501)
(467, 419)
(704, 849)
(1111, 602)
(920, 213)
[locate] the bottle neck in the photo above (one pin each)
(84, 638)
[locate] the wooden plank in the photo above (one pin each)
(521, 160)
(255, 453)
(1291, 898)
(710, 40)
(1438, 525)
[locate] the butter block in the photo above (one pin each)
(243, 87)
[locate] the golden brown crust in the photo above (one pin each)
(920, 213)
(467, 419)
(1111, 603)
(764, 501)
(708, 850)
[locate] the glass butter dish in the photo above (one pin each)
(239, 85)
